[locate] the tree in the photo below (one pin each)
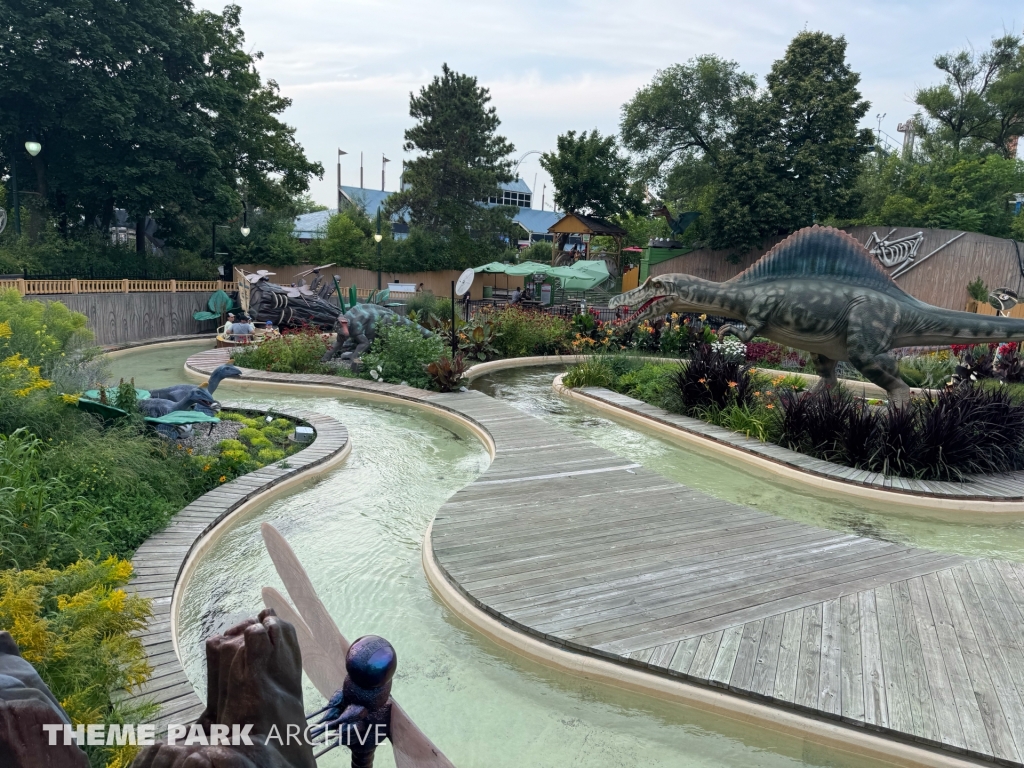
(793, 156)
(982, 98)
(687, 112)
(165, 117)
(461, 162)
(590, 176)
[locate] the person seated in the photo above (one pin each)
(269, 331)
(243, 331)
(229, 327)
(517, 296)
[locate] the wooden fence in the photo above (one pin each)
(73, 286)
(954, 259)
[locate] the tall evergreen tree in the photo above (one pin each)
(461, 162)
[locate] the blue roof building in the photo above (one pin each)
(535, 224)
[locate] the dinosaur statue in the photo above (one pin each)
(819, 290)
(178, 391)
(678, 224)
(357, 328)
(156, 407)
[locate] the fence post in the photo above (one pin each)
(22, 287)
(124, 285)
(174, 285)
(74, 285)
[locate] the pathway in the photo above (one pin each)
(573, 544)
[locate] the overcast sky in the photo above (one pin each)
(558, 65)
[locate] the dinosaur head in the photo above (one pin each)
(657, 296)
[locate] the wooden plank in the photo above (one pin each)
(807, 683)
(746, 656)
(975, 736)
(875, 707)
(985, 693)
(851, 670)
(766, 665)
(789, 657)
(683, 657)
(704, 659)
(918, 695)
(663, 655)
(721, 672)
(897, 698)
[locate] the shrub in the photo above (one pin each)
(446, 373)
(931, 371)
(299, 351)
(592, 372)
(522, 333)
(400, 353)
(77, 627)
(978, 290)
(39, 331)
(711, 380)
(424, 302)
(649, 382)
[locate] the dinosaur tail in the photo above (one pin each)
(947, 326)
(407, 322)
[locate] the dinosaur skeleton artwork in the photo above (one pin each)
(354, 678)
(287, 306)
(892, 253)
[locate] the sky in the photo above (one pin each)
(559, 65)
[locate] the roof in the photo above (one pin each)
(517, 186)
(367, 199)
(534, 221)
(310, 226)
(578, 224)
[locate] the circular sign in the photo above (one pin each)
(465, 281)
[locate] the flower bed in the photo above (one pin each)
(964, 430)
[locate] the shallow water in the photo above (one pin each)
(529, 389)
(359, 530)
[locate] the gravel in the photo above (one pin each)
(204, 440)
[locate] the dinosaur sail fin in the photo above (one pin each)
(820, 252)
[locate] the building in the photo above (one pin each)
(534, 224)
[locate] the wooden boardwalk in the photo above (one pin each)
(587, 550)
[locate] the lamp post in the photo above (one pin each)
(245, 220)
(377, 238)
(33, 147)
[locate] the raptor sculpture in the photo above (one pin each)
(821, 291)
(357, 328)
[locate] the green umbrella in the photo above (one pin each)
(527, 268)
(493, 267)
(581, 276)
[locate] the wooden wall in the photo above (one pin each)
(439, 283)
(941, 280)
(117, 318)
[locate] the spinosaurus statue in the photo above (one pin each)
(821, 291)
(357, 328)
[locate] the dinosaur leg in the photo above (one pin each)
(825, 367)
(744, 334)
(868, 344)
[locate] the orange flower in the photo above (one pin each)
(733, 385)
(702, 381)
(770, 405)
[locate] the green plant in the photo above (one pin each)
(43, 332)
(78, 628)
(400, 354)
(592, 372)
(300, 351)
(978, 290)
(522, 333)
(477, 339)
(710, 379)
(931, 371)
(445, 373)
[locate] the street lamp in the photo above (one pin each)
(245, 220)
(33, 147)
(377, 238)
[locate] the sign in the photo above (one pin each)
(465, 282)
(545, 294)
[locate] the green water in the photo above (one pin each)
(359, 530)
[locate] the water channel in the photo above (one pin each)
(359, 531)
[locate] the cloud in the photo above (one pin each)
(554, 66)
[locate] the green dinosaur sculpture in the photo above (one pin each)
(821, 291)
(357, 328)
(678, 224)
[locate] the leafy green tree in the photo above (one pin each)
(688, 112)
(461, 162)
(793, 156)
(590, 176)
(981, 102)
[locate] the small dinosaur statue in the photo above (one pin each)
(678, 224)
(357, 328)
(821, 291)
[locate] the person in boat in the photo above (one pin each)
(228, 326)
